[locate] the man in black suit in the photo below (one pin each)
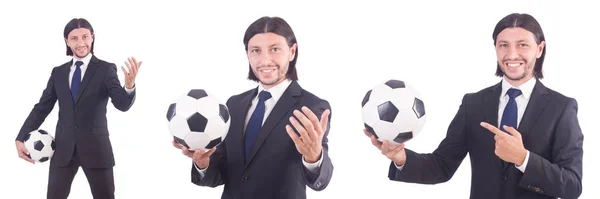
(263, 161)
(82, 87)
(539, 153)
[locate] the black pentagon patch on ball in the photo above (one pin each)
(197, 122)
(371, 130)
(224, 113)
(38, 145)
(180, 141)
(395, 84)
(197, 93)
(366, 98)
(53, 145)
(213, 143)
(387, 111)
(43, 132)
(44, 159)
(171, 111)
(419, 108)
(403, 137)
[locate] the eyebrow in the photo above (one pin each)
(519, 41)
(259, 47)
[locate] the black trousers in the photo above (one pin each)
(101, 181)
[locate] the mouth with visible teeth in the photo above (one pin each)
(267, 69)
(513, 65)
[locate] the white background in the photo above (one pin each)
(444, 48)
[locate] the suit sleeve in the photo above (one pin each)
(215, 174)
(118, 95)
(319, 180)
(561, 177)
(40, 110)
(439, 166)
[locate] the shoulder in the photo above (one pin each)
(239, 96)
(559, 98)
(478, 96)
(62, 66)
(103, 63)
(311, 100)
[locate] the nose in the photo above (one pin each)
(265, 59)
(512, 53)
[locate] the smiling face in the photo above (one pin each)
(517, 52)
(80, 42)
(270, 55)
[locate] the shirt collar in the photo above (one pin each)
(526, 88)
(85, 60)
(277, 90)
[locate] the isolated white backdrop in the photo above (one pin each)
(443, 48)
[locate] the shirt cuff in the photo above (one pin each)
(313, 166)
(522, 167)
(129, 91)
(399, 167)
(201, 171)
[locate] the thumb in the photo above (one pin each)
(325, 120)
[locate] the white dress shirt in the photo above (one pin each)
(276, 93)
(522, 101)
(83, 68)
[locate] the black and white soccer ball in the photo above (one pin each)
(40, 145)
(198, 120)
(393, 111)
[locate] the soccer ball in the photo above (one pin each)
(393, 111)
(40, 145)
(198, 120)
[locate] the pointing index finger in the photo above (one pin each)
(493, 129)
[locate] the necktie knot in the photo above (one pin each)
(264, 96)
(513, 93)
(78, 63)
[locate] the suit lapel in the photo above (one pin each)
(63, 81)
(283, 106)
(536, 105)
(239, 122)
(89, 73)
(492, 102)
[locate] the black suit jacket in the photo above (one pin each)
(275, 169)
(81, 123)
(550, 131)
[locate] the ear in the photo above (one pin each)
(541, 47)
(293, 52)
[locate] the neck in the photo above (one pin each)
(266, 87)
(519, 82)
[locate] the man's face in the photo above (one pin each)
(80, 41)
(517, 51)
(269, 56)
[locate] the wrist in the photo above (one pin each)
(313, 158)
(522, 158)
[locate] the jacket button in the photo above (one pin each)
(505, 178)
(244, 178)
(76, 127)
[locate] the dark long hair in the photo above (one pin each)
(530, 24)
(74, 24)
(280, 27)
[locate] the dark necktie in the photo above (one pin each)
(509, 117)
(255, 122)
(76, 81)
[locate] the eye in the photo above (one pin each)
(502, 45)
(523, 45)
(254, 51)
(274, 49)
